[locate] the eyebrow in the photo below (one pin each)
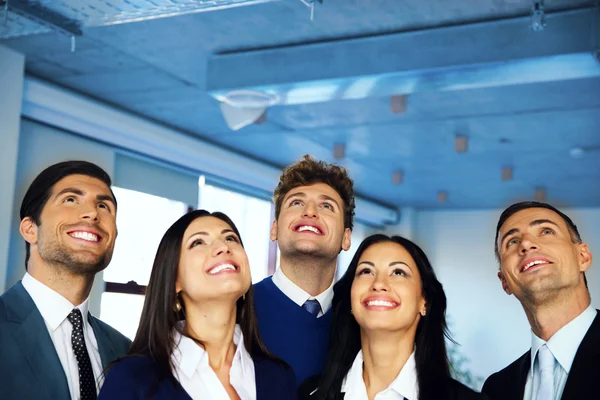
(390, 264)
(79, 192)
(321, 196)
(224, 231)
(535, 222)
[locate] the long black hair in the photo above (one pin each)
(431, 359)
(159, 320)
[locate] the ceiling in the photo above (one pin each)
(523, 101)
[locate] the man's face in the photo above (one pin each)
(311, 223)
(538, 258)
(77, 226)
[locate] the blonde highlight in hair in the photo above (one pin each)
(308, 171)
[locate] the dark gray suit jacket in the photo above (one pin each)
(582, 383)
(29, 365)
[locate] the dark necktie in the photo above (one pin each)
(87, 382)
(312, 306)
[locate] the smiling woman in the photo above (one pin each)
(388, 309)
(198, 335)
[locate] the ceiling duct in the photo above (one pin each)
(28, 17)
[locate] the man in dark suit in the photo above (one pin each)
(543, 262)
(51, 347)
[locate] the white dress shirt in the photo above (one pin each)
(405, 386)
(563, 345)
(199, 380)
(299, 296)
(55, 309)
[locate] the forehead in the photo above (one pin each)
(207, 224)
(82, 182)
(387, 251)
(521, 219)
(316, 190)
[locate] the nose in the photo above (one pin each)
(527, 245)
(90, 213)
(380, 284)
(310, 210)
(220, 247)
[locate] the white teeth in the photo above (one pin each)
(380, 303)
(222, 267)
(308, 228)
(531, 264)
(90, 237)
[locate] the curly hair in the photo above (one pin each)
(309, 171)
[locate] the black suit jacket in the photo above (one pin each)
(582, 383)
(457, 391)
(29, 365)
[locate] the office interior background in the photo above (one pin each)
(444, 112)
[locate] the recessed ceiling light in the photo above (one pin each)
(507, 174)
(461, 143)
(398, 104)
(540, 194)
(397, 177)
(576, 152)
(339, 151)
(442, 196)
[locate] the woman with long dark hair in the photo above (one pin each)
(388, 330)
(198, 336)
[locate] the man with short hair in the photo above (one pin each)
(51, 347)
(314, 211)
(542, 263)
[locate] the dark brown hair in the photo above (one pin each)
(309, 171)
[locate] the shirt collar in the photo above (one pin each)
(405, 383)
(53, 307)
(565, 342)
(189, 356)
(298, 295)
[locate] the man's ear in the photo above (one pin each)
(347, 239)
(273, 233)
(504, 284)
(29, 230)
(585, 257)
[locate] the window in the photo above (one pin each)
(359, 233)
(252, 217)
(142, 220)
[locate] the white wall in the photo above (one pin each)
(12, 67)
(490, 325)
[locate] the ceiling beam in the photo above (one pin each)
(485, 54)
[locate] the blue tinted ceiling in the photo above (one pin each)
(158, 69)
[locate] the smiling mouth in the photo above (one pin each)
(221, 268)
(308, 228)
(534, 263)
(87, 236)
(381, 304)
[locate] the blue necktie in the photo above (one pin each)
(312, 306)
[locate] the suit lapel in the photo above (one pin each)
(583, 377)
(32, 336)
(521, 378)
(106, 347)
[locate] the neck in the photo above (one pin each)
(548, 317)
(74, 287)
(384, 355)
(313, 275)
(213, 324)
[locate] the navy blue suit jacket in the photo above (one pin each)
(139, 377)
(29, 365)
(582, 383)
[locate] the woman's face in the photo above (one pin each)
(213, 264)
(386, 293)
